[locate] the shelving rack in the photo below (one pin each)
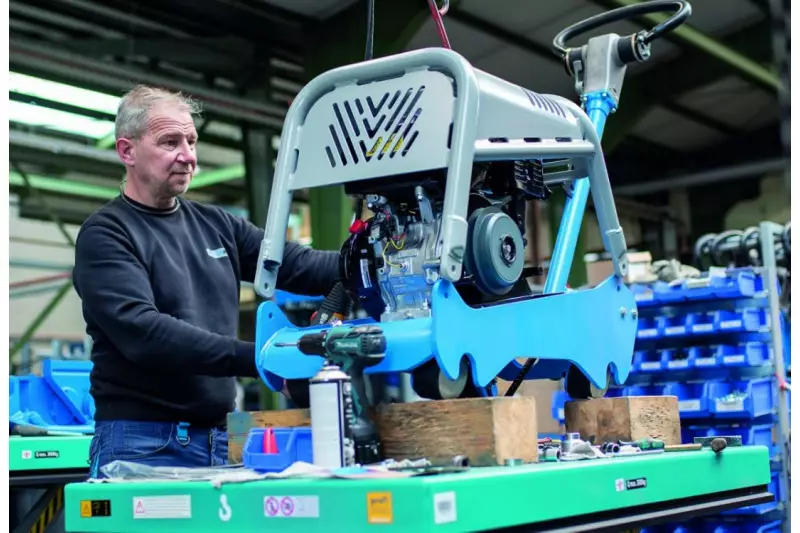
(719, 343)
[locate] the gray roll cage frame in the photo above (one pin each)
(584, 152)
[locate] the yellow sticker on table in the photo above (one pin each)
(93, 508)
(379, 507)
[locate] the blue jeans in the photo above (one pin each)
(156, 444)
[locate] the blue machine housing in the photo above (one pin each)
(491, 337)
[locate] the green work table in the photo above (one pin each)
(40, 456)
(38, 469)
(591, 495)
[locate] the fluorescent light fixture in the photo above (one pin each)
(33, 115)
(59, 92)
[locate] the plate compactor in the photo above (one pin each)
(445, 157)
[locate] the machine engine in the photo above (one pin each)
(391, 260)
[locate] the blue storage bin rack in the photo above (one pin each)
(294, 444)
(756, 400)
(699, 340)
(734, 284)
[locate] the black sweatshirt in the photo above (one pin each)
(160, 296)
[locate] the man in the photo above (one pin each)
(159, 278)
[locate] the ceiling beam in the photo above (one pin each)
(477, 23)
(114, 77)
(669, 80)
(748, 67)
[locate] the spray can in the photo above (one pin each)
(332, 415)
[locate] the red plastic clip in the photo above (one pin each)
(357, 226)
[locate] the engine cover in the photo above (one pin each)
(391, 261)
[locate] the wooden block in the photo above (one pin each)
(486, 430)
(240, 424)
(625, 418)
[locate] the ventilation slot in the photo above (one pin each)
(546, 104)
(375, 126)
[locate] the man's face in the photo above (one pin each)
(164, 159)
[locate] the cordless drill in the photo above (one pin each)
(352, 349)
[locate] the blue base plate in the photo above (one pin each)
(594, 329)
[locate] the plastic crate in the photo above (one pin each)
(648, 328)
(704, 357)
(740, 320)
(72, 377)
(739, 526)
(755, 398)
(35, 401)
(673, 326)
(648, 361)
(701, 323)
(294, 444)
(747, 354)
(676, 359)
(692, 398)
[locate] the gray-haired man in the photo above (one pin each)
(159, 278)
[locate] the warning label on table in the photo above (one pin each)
(162, 507)
(291, 506)
(47, 455)
(92, 508)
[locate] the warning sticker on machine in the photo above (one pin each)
(162, 507)
(291, 506)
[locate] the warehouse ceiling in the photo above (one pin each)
(706, 99)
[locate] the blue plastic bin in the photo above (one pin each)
(673, 326)
(755, 401)
(648, 328)
(38, 402)
(701, 323)
(747, 354)
(750, 526)
(692, 398)
(742, 320)
(703, 357)
(294, 444)
(677, 359)
(59, 399)
(648, 361)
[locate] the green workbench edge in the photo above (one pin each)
(48, 453)
(482, 498)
